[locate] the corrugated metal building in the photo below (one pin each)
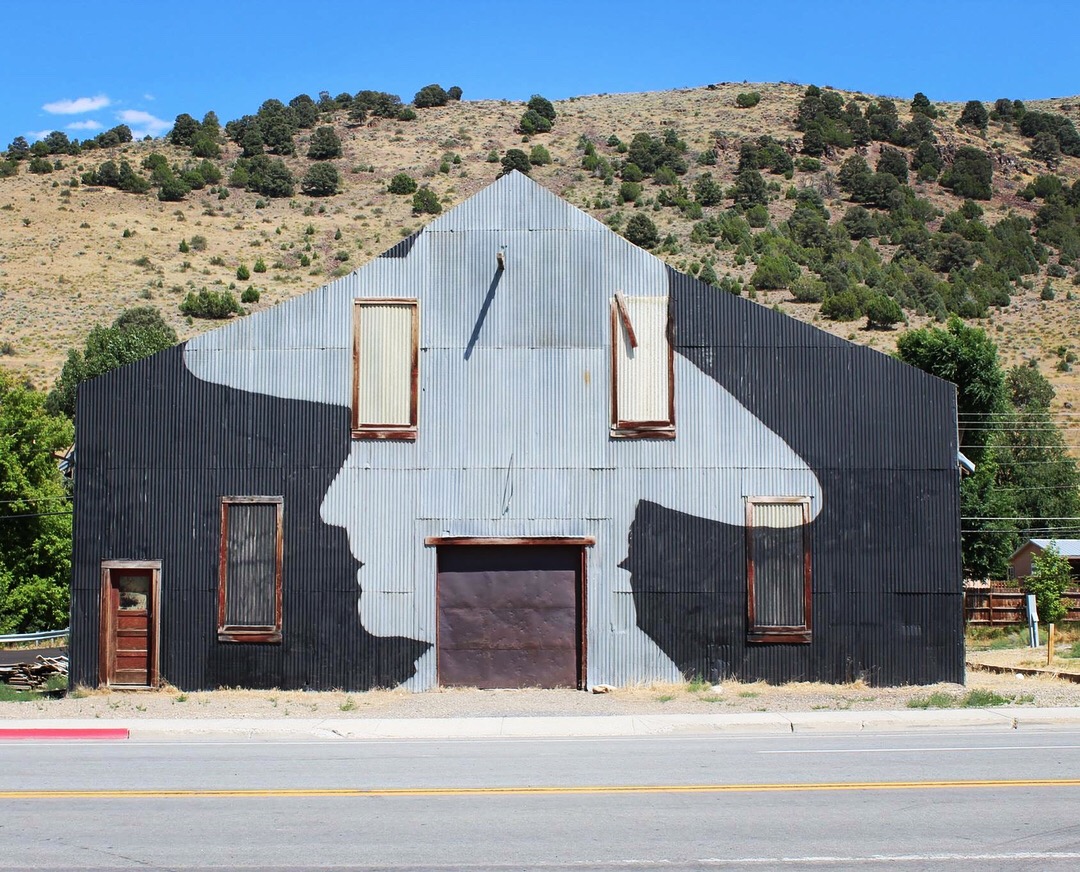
(515, 450)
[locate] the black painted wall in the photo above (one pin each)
(880, 436)
(157, 450)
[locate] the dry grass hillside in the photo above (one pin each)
(66, 263)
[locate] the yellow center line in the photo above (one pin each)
(294, 793)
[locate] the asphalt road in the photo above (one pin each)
(956, 800)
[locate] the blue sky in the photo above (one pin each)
(83, 67)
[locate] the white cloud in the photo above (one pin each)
(77, 106)
(35, 135)
(149, 98)
(143, 123)
(89, 124)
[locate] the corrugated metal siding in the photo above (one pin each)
(514, 411)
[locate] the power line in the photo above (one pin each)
(37, 500)
(34, 515)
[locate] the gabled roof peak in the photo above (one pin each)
(515, 202)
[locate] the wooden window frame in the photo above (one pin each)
(770, 633)
(249, 632)
(105, 636)
(625, 429)
(376, 430)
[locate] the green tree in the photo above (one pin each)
(19, 148)
(321, 180)
(970, 174)
(184, 130)
(893, 162)
(774, 271)
(425, 200)
(173, 189)
(641, 231)
(1048, 581)
(533, 122)
(707, 191)
(748, 100)
(35, 523)
(844, 306)
(968, 358)
(515, 159)
(210, 304)
(542, 107)
(270, 177)
(539, 156)
(921, 105)
(454, 93)
(304, 110)
(750, 189)
(974, 114)
(1046, 148)
(882, 312)
(402, 183)
(430, 95)
(135, 334)
(324, 144)
(205, 145)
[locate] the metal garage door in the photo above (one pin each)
(510, 615)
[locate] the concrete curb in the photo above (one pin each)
(762, 723)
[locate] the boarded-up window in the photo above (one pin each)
(249, 593)
(642, 370)
(385, 367)
(778, 569)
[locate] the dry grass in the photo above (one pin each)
(66, 265)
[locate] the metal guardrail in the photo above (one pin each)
(35, 637)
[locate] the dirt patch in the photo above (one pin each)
(729, 697)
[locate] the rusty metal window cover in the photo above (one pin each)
(642, 369)
(385, 368)
(249, 586)
(778, 570)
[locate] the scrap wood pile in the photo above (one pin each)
(34, 675)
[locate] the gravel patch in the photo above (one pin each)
(729, 697)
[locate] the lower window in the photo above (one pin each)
(778, 576)
(249, 592)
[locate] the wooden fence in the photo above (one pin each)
(997, 606)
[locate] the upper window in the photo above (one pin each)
(642, 372)
(385, 368)
(778, 569)
(249, 592)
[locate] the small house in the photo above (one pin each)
(1021, 563)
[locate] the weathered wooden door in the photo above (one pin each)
(128, 626)
(510, 616)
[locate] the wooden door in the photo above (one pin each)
(129, 627)
(510, 616)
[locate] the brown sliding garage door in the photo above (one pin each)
(511, 615)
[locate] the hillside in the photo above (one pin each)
(75, 256)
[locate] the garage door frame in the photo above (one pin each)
(581, 542)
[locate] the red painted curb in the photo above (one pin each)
(65, 733)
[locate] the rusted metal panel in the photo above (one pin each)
(249, 594)
(509, 616)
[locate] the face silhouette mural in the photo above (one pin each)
(514, 414)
